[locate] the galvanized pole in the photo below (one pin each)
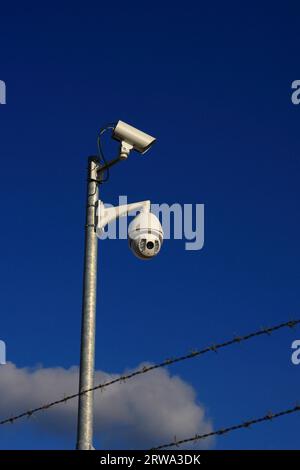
(87, 354)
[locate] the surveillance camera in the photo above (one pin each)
(131, 138)
(145, 235)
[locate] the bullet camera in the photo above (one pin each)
(131, 138)
(145, 235)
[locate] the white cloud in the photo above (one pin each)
(145, 411)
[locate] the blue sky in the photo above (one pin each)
(213, 84)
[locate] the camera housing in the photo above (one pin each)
(145, 235)
(131, 138)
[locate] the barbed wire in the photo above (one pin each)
(246, 424)
(145, 369)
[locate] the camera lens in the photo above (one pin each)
(150, 245)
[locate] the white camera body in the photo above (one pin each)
(131, 138)
(145, 235)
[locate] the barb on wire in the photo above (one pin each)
(145, 369)
(268, 417)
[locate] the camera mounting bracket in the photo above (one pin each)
(106, 215)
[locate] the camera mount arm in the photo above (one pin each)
(108, 165)
(106, 215)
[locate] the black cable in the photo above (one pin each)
(100, 148)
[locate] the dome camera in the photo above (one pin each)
(145, 235)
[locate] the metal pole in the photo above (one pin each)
(87, 354)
